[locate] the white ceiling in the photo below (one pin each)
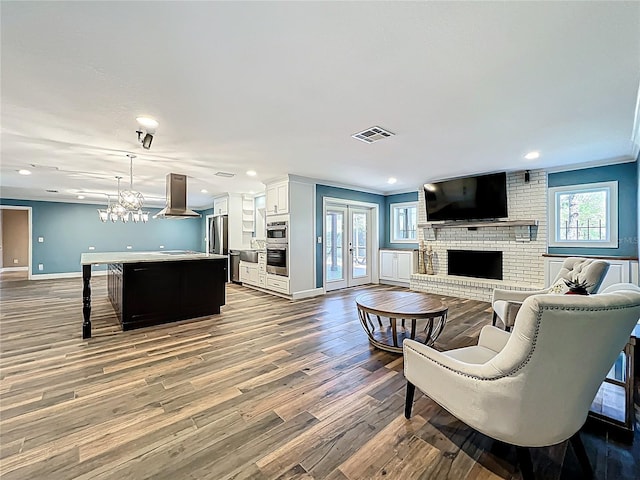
(279, 87)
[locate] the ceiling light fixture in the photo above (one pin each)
(251, 173)
(532, 155)
(204, 190)
(129, 205)
(392, 180)
(24, 172)
(80, 197)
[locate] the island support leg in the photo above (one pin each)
(86, 301)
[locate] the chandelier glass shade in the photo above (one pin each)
(129, 204)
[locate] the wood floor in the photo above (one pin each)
(269, 389)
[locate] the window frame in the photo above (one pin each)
(392, 222)
(612, 215)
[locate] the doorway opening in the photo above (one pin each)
(15, 241)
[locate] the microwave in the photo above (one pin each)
(277, 232)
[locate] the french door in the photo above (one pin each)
(347, 242)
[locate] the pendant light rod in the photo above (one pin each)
(131, 157)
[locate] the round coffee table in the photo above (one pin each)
(422, 318)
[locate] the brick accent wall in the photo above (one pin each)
(523, 266)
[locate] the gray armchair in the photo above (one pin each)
(506, 303)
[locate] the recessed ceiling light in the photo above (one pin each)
(147, 122)
(532, 155)
(80, 197)
(24, 172)
(251, 173)
(392, 180)
(430, 187)
(204, 190)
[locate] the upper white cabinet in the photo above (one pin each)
(277, 198)
(221, 206)
(397, 265)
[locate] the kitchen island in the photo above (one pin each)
(149, 288)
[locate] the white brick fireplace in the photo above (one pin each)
(523, 265)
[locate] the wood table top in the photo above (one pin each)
(401, 304)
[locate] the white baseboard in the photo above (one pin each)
(394, 282)
(314, 292)
(54, 276)
(14, 269)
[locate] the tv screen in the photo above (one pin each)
(469, 198)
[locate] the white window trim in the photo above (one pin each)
(392, 206)
(613, 215)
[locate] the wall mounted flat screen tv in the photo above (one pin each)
(470, 198)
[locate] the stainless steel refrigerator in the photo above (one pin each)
(219, 235)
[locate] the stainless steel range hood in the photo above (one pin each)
(176, 199)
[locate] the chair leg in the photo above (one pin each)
(581, 453)
(524, 460)
(411, 389)
(495, 318)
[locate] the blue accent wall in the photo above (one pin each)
(323, 191)
(388, 200)
(70, 228)
(627, 176)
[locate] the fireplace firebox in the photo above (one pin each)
(475, 263)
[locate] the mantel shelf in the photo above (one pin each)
(498, 223)
(523, 231)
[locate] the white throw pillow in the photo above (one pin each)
(559, 287)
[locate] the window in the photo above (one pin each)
(404, 222)
(584, 215)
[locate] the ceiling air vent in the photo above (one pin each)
(51, 191)
(372, 134)
(225, 174)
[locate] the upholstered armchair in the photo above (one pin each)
(506, 303)
(532, 387)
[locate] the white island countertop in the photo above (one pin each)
(101, 258)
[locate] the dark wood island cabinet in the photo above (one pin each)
(153, 288)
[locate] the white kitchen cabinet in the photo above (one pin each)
(387, 264)
(221, 206)
(397, 265)
(277, 198)
(278, 283)
(249, 273)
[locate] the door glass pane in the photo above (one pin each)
(359, 245)
(333, 243)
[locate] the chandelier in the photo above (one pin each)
(129, 204)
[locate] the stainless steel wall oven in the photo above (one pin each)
(277, 248)
(277, 261)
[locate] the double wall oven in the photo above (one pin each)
(277, 248)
